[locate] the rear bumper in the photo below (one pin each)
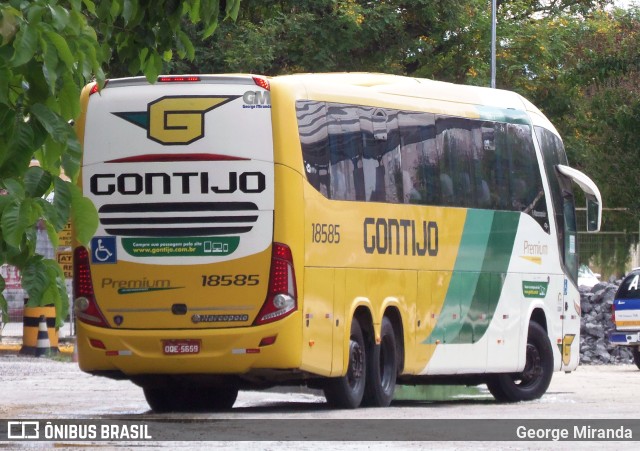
(625, 338)
(222, 351)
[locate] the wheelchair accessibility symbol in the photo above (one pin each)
(103, 249)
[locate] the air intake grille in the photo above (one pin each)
(172, 219)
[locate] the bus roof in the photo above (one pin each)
(395, 90)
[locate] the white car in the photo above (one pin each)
(586, 277)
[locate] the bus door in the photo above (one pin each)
(570, 308)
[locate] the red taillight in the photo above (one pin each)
(268, 341)
(95, 88)
(97, 343)
(86, 308)
(262, 82)
(178, 79)
(613, 312)
(282, 296)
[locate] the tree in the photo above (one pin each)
(49, 49)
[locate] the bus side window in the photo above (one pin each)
(345, 150)
(528, 192)
(419, 158)
(312, 128)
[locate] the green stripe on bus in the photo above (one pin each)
(476, 284)
(494, 268)
(471, 253)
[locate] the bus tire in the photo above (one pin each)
(636, 356)
(534, 380)
(382, 368)
(347, 391)
(190, 399)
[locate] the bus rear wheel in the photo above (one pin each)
(382, 368)
(347, 391)
(190, 398)
(534, 380)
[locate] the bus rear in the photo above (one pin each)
(182, 278)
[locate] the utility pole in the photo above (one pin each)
(493, 43)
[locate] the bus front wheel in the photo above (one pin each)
(347, 391)
(382, 368)
(534, 380)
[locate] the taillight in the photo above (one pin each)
(281, 297)
(85, 305)
(262, 82)
(95, 88)
(613, 311)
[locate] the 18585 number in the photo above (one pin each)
(225, 280)
(325, 233)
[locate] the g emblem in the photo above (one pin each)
(175, 120)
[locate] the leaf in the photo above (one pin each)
(62, 200)
(209, 11)
(54, 124)
(20, 149)
(91, 6)
(64, 52)
(69, 99)
(35, 280)
(8, 24)
(210, 28)
(60, 17)
(52, 233)
(15, 220)
(83, 215)
(232, 9)
(25, 45)
(129, 11)
(34, 14)
(72, 157)
(14, 188)
(153, 67)
(52, 289)
(37, 181)
(5, 76)
(50, 68)
(187, 44)
(49, 155)
(194, 11)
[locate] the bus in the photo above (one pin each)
(348, 232)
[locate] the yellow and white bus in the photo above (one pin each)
(347, 231)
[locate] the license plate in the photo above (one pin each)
(171, 347)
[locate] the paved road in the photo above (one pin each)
(50, 389)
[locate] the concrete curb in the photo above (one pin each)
(65, 348)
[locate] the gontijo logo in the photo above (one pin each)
(175, 120)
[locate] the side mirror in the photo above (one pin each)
(594, 199)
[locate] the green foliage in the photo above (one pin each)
(49, 49)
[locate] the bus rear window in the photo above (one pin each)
(630, 287)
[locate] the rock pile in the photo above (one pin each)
(595, 325)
